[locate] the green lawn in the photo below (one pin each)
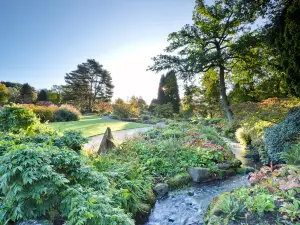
(94, 125)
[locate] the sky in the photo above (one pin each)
(42, 40)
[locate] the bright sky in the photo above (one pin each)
(40, 41)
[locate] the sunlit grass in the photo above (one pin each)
(94, 125)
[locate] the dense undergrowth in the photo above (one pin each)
(46, 175)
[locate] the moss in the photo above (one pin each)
(236, 163)
(179, 180)
(245, 170)
(150, 197)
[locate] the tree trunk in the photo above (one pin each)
(223, 94)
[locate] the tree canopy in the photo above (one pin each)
(218, 35)
(89, 82)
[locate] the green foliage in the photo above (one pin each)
(71, 139)
(291, 211)
(14, 118)
(43, 95)
(179, 180)
(260, 203)
(27, 94)
(67, 113)
(123, 110)
(292, 156)
(281, 137)
(168, 91)
(89, 82)
(232, 208)
(243, 136)
(44, 113)
(3, 93)
(164, 111)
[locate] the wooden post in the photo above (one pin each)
(107, 142)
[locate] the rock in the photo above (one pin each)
(171, 218)
(33, 222)
(161, 125)
(223, 166)
(230, 172)
(146, 122)
(190, 193)
(179, 180)
(199, 174)
(161, 189)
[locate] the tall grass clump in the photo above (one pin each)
(67, 113)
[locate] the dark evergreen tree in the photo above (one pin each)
(27, 94)
(161, 98)
(43, 95)
(89, 82)
(284, 35)
(171, 91)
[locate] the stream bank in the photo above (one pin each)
(188, 206)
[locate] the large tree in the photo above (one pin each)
(43, 95)
(168, 91)
(27, 94)
(283, 32)
(89, 82)
(219, 34)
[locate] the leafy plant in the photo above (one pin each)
(67, 113)
(292, 156)
(16, 119)
(71, 139)
(260, 203)
(242, 136)
(291, 211)
(232, 208)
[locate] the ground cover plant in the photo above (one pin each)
(45, 174)
(91, 125)
(274, 197)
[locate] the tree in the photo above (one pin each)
(43, 95)
(211, 93)
(153, 104)
(3, 93)
(89, 82)
(13, 94)
(27, 94)
(55, 94)
(168, 91)
(219, 35)
(11, 84)
(161, 96)
(283, 31)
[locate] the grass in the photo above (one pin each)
(94, 125)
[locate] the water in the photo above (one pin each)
(188, 206)
(179, 208)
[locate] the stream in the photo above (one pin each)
(188, 206)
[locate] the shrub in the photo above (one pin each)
(164, 111)
(44, 112)
(124, 111)
(71, 139)
(243, 136)
(67, 113)
(292, 156)
(281, 137)
(14, 118)
(36, 181)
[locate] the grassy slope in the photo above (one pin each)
(94, 125)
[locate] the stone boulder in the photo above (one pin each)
(200, 174)
(223, 166)
(161, 189)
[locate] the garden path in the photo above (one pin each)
(119, 136)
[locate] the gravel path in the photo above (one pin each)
(119, 136)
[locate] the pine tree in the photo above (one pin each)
(27, 94)
(43, 95)
(89, 82)
(161, 98)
